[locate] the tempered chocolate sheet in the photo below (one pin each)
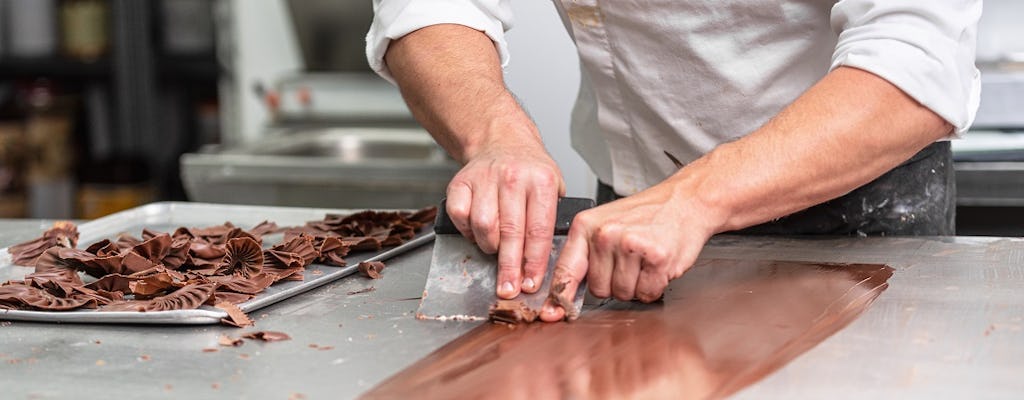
(167, 216)
(722, 326)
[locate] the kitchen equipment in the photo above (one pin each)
(331, 167)
(169, 215)
(461, 282)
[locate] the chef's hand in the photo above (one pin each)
(631, 248)
(505, 199)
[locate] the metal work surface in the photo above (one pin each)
(168, 216)
(951, 325)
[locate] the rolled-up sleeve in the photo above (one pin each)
(396, 18)
(925, 48)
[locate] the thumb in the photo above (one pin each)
(570, 269)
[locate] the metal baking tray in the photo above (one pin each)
(165, 217)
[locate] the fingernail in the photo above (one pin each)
(507, 287)
(528, 283)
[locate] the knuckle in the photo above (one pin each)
(656, 256)
(483, 222)
(509, 176)
(539, 231)
(605, 235)
(510, 230)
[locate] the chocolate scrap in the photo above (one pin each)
(363, 290)
(227, 341)
(186, 298)
(267, 336)
(512, 312)
(562, 301)
(236, 317)
(62, 234)
(371, 269)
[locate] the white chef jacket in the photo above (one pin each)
(685, 76)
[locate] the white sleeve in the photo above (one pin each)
(925, 48)
(396, 18)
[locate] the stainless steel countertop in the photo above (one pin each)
(950, 325)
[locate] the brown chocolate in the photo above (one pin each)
(62, 234)
(236, 317)
(512, 312)
(564, 300)
(724, 325)
(371, 269)
(191, 266)
(267, 336)
(227, 341)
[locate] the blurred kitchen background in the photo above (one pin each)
(109, 104)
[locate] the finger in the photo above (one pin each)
(458, 203)
(651, 283)
(540, 231)
(602, 260)
(570, 269)
(626, 271)
(511, 234)
(483, 217)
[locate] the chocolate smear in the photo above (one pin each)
(724, 325)
(371, 269)
(363, 290)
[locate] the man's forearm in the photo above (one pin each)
(451, 77)
(847, 130)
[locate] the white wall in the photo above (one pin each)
(544, 73)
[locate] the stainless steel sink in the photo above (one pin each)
(336, 167)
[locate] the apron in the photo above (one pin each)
(917, 198)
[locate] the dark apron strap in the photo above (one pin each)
(917, 198)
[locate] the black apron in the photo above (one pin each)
(917, 198)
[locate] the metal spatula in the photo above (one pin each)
(462, 279)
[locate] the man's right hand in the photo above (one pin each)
(506, 195)
(505, 199)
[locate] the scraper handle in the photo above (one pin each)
(568, 207)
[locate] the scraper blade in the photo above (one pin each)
(462, 279)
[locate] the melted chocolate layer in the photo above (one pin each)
(722, 326)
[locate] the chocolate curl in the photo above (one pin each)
(62, 234)
(187, 298)
(244, 257)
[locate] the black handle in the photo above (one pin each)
(568, 207)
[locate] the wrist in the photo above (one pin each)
(504, 125)
(700, 205)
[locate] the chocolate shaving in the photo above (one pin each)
(512, 312)
(62, 234)
(267, 336)
(566, 302)
(236, 317)
(186, 298)
(371, 269)
(190, 267)
(227, 341)
(244, 258)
